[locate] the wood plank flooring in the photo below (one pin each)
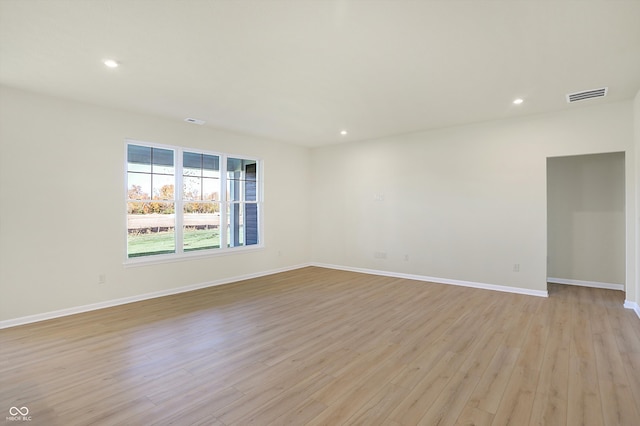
(325, 347)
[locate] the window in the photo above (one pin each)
(201, 197)
(150, 201)
(242, 208)
(181, 201)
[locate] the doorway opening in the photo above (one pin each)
(586, 220)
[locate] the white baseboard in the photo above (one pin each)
(123, 301)
(594, 284)
(494, 287)
(632, 305)
(116, 302)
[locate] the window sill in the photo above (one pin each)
(170, 258)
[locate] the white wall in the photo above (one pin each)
(62, 212)
(633, 295)
(464, 203)
(586, 218)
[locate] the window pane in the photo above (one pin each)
(139, 186)
(191, 160)
(250, 185)
(210, 189)
(162, 187)
(150, 228)
(191, 188)
(234, 189)
(242, 179)
(162, 157)
(201, 226)
(235, 225)
(138, 158)
(210, 166)
(234, 165)
(242, 226)
(251, 224)
(239, 165)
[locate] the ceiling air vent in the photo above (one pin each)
(194, 121)
(587, 94)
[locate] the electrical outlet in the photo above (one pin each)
(516, 267)
(406, 257)
(102, 278)
(380, 255)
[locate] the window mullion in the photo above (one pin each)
(178, 202)
(223, 202)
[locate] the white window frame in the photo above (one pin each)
(179, 202)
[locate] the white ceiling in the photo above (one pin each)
(302, 70)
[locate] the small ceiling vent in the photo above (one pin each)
(587, 94)
(194, 121)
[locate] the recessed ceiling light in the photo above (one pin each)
(518, 101)
(343, 132)
(111, 63)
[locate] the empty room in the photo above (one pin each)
(319, 212)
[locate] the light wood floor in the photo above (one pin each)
(323, 347)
